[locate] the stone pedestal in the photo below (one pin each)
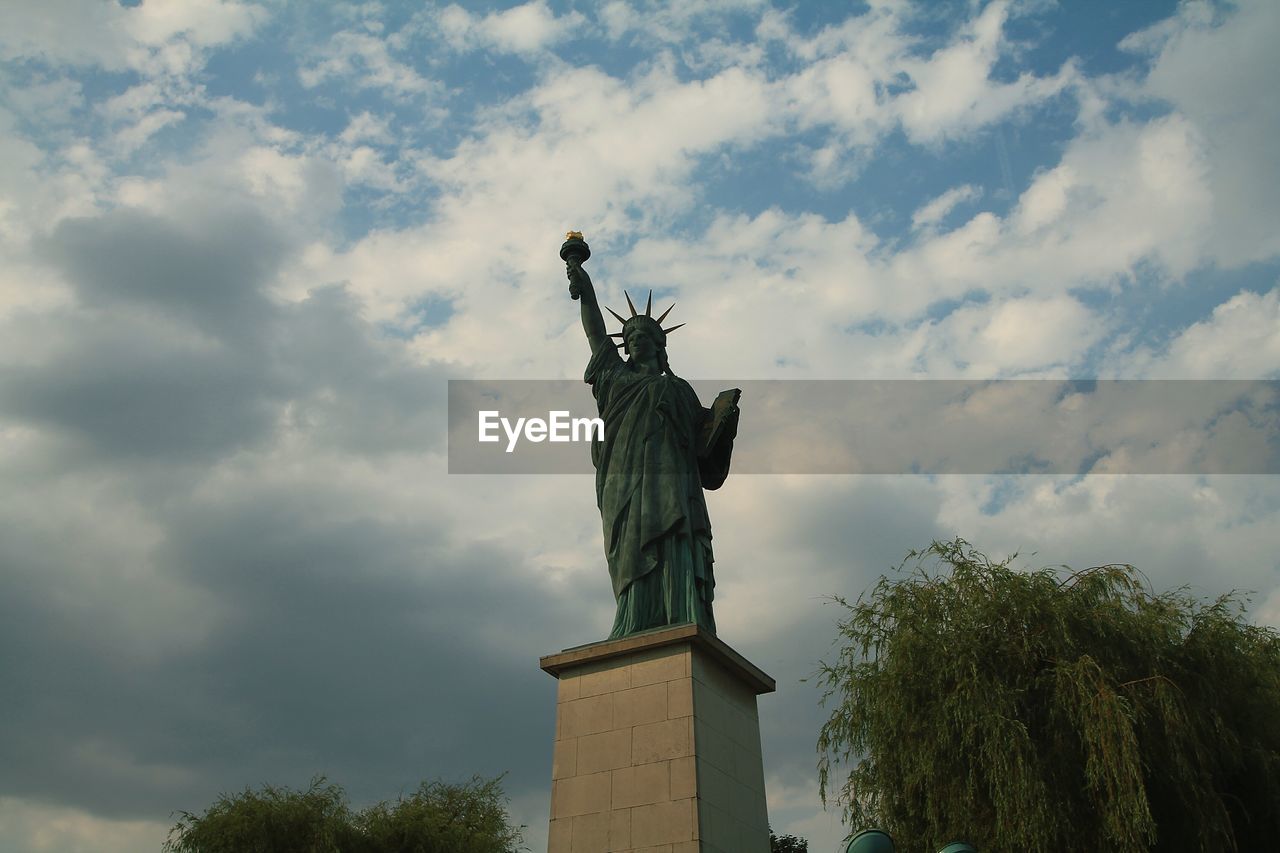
(657, 747)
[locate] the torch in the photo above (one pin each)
(574, 250)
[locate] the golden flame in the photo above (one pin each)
(573, 235)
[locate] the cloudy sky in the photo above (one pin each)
(244, 246)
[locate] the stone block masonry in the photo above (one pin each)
(657, 747)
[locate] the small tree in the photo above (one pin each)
(787, 844)
(1052, 711)
(454, 818)
(437, 818)
(273, 820)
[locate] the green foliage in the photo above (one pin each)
(787, 844)
(273, 820)
(446, 818)
(437, 818)
(1032, 711)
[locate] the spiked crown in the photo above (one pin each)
(645, 319)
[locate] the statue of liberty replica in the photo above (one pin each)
(660, 449)
(657, 742)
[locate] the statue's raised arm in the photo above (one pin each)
(574, 252)
(592, 319)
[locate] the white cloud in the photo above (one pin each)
(841, 90)
(18, 180)
(40, 185)
(867, 76)
(598, 146)
(204, 22)
(1215, 70)
(1020, 336)
(1121, 196)
(1268, 613)
(932, 212)
(133, 137)
(602, 157)
(366, 127)
(525, 29)
(42, 828)
(66, 31)
(47, 102)
(1212, 533)
(953, 92)
(863, 77)
(1045, 201)
(1240, 340)
(167, 34)
(365, 62)
(668, 22)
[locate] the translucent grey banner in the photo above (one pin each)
(904, 426)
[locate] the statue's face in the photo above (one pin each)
(641, 343)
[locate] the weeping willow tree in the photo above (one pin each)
(1050, 710)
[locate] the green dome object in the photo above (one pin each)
(871, 841)
(959, 847)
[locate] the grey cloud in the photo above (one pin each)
(163, 354)
(861, 527)
(374, 643)
(176, 352)
(355, 390)
(130, 396)
(211, 272)
(326, 636)
(379, 653)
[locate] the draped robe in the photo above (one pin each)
(649, 481)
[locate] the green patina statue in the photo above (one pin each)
(661, 448)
